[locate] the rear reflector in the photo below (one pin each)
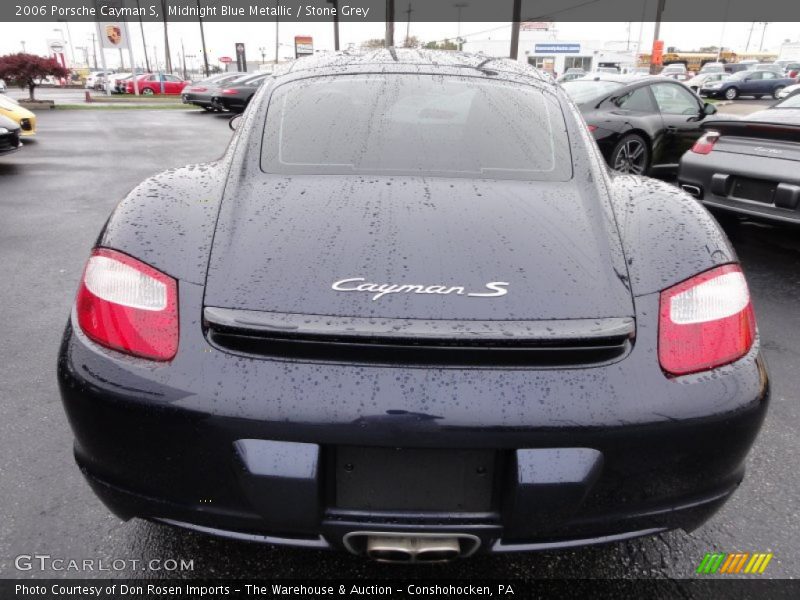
(705, 144)
(705, 322)
(128, 306)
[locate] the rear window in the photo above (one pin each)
(409, 124)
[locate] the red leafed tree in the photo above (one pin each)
(26, 70)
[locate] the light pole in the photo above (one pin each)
(69, 40)
(144, 41)
(94, 51)
(23, 45)
(763, 33)
(459, 6)
(202, 41)
(335, 4)
(263, 52)
(277, 20)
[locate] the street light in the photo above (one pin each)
(23, 45)
(458, 6)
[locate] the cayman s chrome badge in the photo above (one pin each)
(359, 284)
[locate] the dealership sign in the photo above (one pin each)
(303, 46)
(557, 48)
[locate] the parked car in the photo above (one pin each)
(746, 83)
(678, 76)
(673, 69)
(571, 74)
(201, 93)
(773, 67)
(320, 341)
(10, 134)
(26, 120)
(92, 80)
(749, 167)
(696, 82)
(641, 125)
(154, 83)
(3, 86)
(712, 67)
(236, 95)
(793, 70)
(736, 67)
(789, 90)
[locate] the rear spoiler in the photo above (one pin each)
(755, 129)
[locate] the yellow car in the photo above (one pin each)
(22, 116)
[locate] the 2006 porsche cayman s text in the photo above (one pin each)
(411, 314)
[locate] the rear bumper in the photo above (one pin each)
(709, 179)
(247, 447)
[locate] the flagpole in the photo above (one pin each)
(130, 54)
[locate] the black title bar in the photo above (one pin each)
(356, 11)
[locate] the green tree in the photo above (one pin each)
(373, 43)
(443, 45)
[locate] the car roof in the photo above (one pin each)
(409, 60)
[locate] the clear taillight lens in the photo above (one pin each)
(705, 322)
(128, 306)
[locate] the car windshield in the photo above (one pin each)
(9, 103)
(407, 124)
(790, 102)
(583, 90)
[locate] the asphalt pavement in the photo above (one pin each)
(56, 194)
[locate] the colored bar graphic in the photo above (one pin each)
(735, 562)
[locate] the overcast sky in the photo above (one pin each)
(220, 37)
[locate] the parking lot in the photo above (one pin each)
(56, 194)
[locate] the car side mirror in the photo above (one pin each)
(233, 123)
(709, 109)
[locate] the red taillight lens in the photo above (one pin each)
(705, 322)
(229, 91)
(705, 144)
(198, 89)
(128, 306)
(591, 128)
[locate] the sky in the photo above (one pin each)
(220, 37)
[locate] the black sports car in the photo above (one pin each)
(236, 96)
(200, 93)
(410, 314)
(9, 136)
(641, 124)
(749, 167)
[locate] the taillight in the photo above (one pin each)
(705, 322)
(128, 306)
(591, 128)
(198, 89)
(705, 144)
(229, 91)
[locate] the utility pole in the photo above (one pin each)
(459, 6)
(749, 35)
(23, 51)
(763, 33)
(388, 40)
(277, 31)
(183, 54)
(202, 41)
(515, 29)
(335, 4)
(167, 57)
(144, 41)
(656, 32)
(94, 51)
(408, 23)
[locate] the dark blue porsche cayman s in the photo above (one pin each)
(411, 314)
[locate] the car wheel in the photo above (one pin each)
(731, 93)
(631, 155)
(776, 92)
(147, 92)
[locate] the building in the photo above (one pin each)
(556, 56)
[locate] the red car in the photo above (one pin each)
(151, 83)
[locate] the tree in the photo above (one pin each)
(445, 45)
(27, 70)
(373, 43)
(411, 41)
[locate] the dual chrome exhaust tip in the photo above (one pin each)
(406, 547)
